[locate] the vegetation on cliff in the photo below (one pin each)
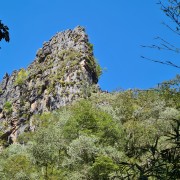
(57, 124)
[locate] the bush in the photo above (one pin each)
(7, 107)
(21, 77)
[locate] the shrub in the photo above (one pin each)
(21, 77)
(1, 91)
(7, 107)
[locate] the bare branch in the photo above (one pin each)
(175, 31)
(164, 45)
(172, 10)
(169, 63)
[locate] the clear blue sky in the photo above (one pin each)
(117, 28)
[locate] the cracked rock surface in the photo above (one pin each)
(64, 70)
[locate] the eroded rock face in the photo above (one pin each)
(64, 69)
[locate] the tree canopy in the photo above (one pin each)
(131, 134)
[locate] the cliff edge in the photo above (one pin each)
(64, 70)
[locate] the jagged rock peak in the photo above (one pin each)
(64, 69)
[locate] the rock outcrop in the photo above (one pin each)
(64, 70)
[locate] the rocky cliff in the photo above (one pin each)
(64, 69)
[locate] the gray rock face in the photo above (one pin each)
(64, 69)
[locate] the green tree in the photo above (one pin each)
(88, 119)
(15, 163)
(83, 149)
(44, 151)
(102, 168)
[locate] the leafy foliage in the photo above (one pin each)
(4, 32)
(129, 134)
(7, 107)
(21, 77)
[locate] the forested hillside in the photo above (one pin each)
(130, 134)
